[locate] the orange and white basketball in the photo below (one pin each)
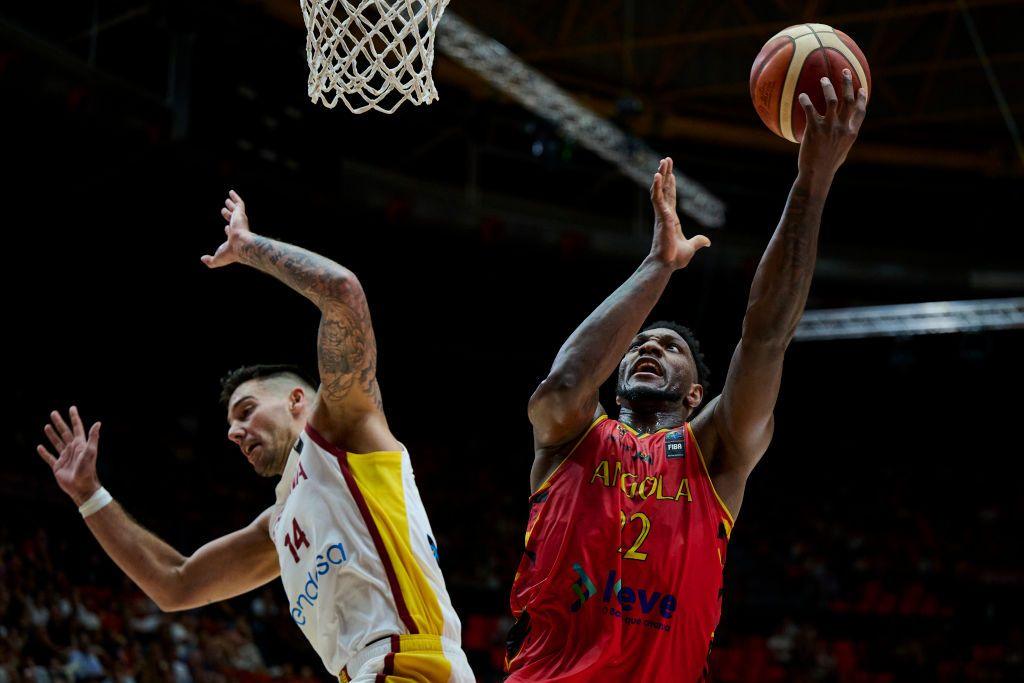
(794, 61)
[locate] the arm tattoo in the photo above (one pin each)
(783, 279)
(309, 274)
(798, 224)
(347, 349)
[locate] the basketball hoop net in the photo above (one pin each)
(371, 54)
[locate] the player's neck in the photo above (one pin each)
(648, 421)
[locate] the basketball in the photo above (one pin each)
(794, 61)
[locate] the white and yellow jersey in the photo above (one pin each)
(358, 557)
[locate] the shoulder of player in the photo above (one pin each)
(721, 448)
(256, 536)
(548, 458)
(262, 521)
(705, 431)
(566, 446)
(365, 432)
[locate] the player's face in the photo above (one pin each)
(658, 364)
(262, 422)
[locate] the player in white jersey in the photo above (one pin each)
(347, 534)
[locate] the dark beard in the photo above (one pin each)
(644, 394)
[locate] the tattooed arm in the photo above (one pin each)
(348, 407)
(735, 429)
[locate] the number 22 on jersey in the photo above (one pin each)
(634, 552)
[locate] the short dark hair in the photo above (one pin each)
(703, 371)
(240, 376)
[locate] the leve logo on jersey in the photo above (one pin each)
(583, 587)
(620, 599)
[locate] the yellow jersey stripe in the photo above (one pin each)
(379, 478)
(730, 521)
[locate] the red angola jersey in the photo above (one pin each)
(621, 578)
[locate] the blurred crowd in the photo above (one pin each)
(811, 595)
(893, 596)
(54, 629)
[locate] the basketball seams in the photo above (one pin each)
(765, 63)
(828, 69)
(828, 48)
(860, 61)
(792, 53)
(835, 43)
(800, 54)
(771, 56)
(790, 33)
(855, 63)
(821, 46)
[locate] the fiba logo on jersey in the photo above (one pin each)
(675, 445)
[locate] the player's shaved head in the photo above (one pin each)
(285, 375)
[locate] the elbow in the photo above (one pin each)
(559, 380)
(773, 331)
(179, 601)
(168, 607)
(768, 339)
(168, 602)
(344, 279)
(558, 406)
(560, 409)
(555, 388)
(340, 284)
(169, 596)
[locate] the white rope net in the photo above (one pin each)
(371, 54)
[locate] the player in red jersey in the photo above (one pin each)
(621, 578)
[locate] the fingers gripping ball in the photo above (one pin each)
(794, 61)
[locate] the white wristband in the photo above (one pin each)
(96, 502)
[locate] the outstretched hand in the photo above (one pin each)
(237, 231)
(74, 467)
(829, 136)
(670, 244)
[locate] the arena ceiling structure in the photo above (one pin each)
(680, 70)
(925, 208)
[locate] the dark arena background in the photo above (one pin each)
(879, 539)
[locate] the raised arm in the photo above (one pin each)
(348, 408)
(566, 401)
(738, 425)
(226, 567)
